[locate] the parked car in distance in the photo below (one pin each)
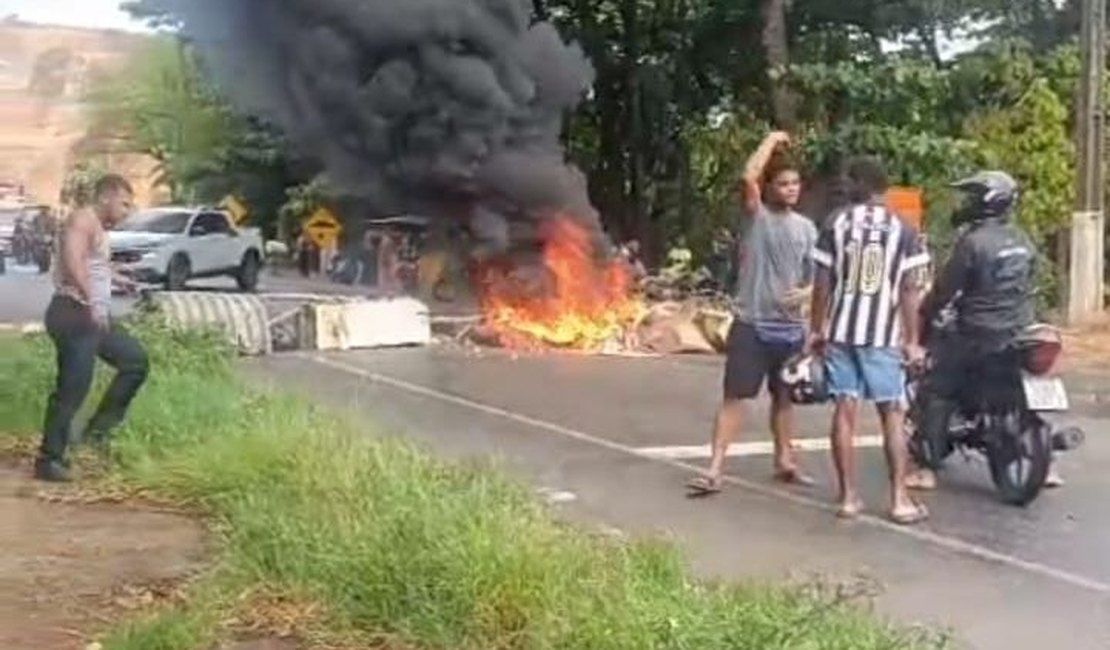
(8, 217)
(172, 245)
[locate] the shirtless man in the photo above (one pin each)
(79, 323)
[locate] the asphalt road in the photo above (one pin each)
(25, 293)
(612, 439)
(615, 438)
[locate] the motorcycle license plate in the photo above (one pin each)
(1044, 393)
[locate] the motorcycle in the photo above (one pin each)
(1007, 418)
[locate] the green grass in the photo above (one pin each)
(396, 545)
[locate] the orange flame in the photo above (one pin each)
(576, 302)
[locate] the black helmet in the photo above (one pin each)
(989, 195)
(804, 378)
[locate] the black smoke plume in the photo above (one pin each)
(451, 108)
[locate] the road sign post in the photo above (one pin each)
(236, 208)
(324, 230)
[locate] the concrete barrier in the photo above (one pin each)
(385, 322)
(243, 317)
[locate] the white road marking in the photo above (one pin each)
(758, 448)
(942, 541)
(29, 327)
(557, 496)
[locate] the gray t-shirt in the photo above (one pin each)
(774, 259)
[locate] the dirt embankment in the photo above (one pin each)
(45, 75)
(69, 568)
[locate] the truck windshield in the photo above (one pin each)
(161, 223)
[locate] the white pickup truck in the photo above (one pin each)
(171, 245)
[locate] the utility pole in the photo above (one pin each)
(1085, 273)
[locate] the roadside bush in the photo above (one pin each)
(396, 546)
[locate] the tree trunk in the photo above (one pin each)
(539, 8)
(928, 34)
(777, 52)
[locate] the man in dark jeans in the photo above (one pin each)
(79, 323)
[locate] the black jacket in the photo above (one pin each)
(990, 276)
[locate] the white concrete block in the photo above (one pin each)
(385, 322)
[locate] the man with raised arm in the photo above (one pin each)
(773, 283)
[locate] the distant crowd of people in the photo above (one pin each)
(381, 259)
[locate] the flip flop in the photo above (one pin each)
(850, 510)
(703, 486)
(1053, 481)
(920, 513)
(794, 477)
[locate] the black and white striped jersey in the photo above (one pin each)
(868, 250)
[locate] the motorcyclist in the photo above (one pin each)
(988, 283)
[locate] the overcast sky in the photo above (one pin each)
(79, 13)
(106, 13)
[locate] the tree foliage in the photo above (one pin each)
(165, 106)
(77, 186)
(686, 88)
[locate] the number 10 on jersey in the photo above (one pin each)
(865, 268)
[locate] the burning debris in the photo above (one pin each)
(449, 108)
(573, 301)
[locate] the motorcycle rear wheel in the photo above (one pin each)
(1019, 462)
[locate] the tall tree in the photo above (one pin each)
(776, 49)
(165, 107)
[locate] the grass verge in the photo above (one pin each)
(341, 536)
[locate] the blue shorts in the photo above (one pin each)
(873, 374)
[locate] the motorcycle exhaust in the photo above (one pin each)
(1068, 439)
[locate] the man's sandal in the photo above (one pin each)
(703, 486)
(794, 477)
(910, 517)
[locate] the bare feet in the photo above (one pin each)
(921, 479)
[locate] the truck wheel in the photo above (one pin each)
(247, 276)
(178, 273)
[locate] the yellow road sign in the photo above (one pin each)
(323, 228)
(236, 208)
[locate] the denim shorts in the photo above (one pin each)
(868, 373)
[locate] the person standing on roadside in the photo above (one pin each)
(768, 328)
(864, 322)
(79, 323)
(389, 263)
